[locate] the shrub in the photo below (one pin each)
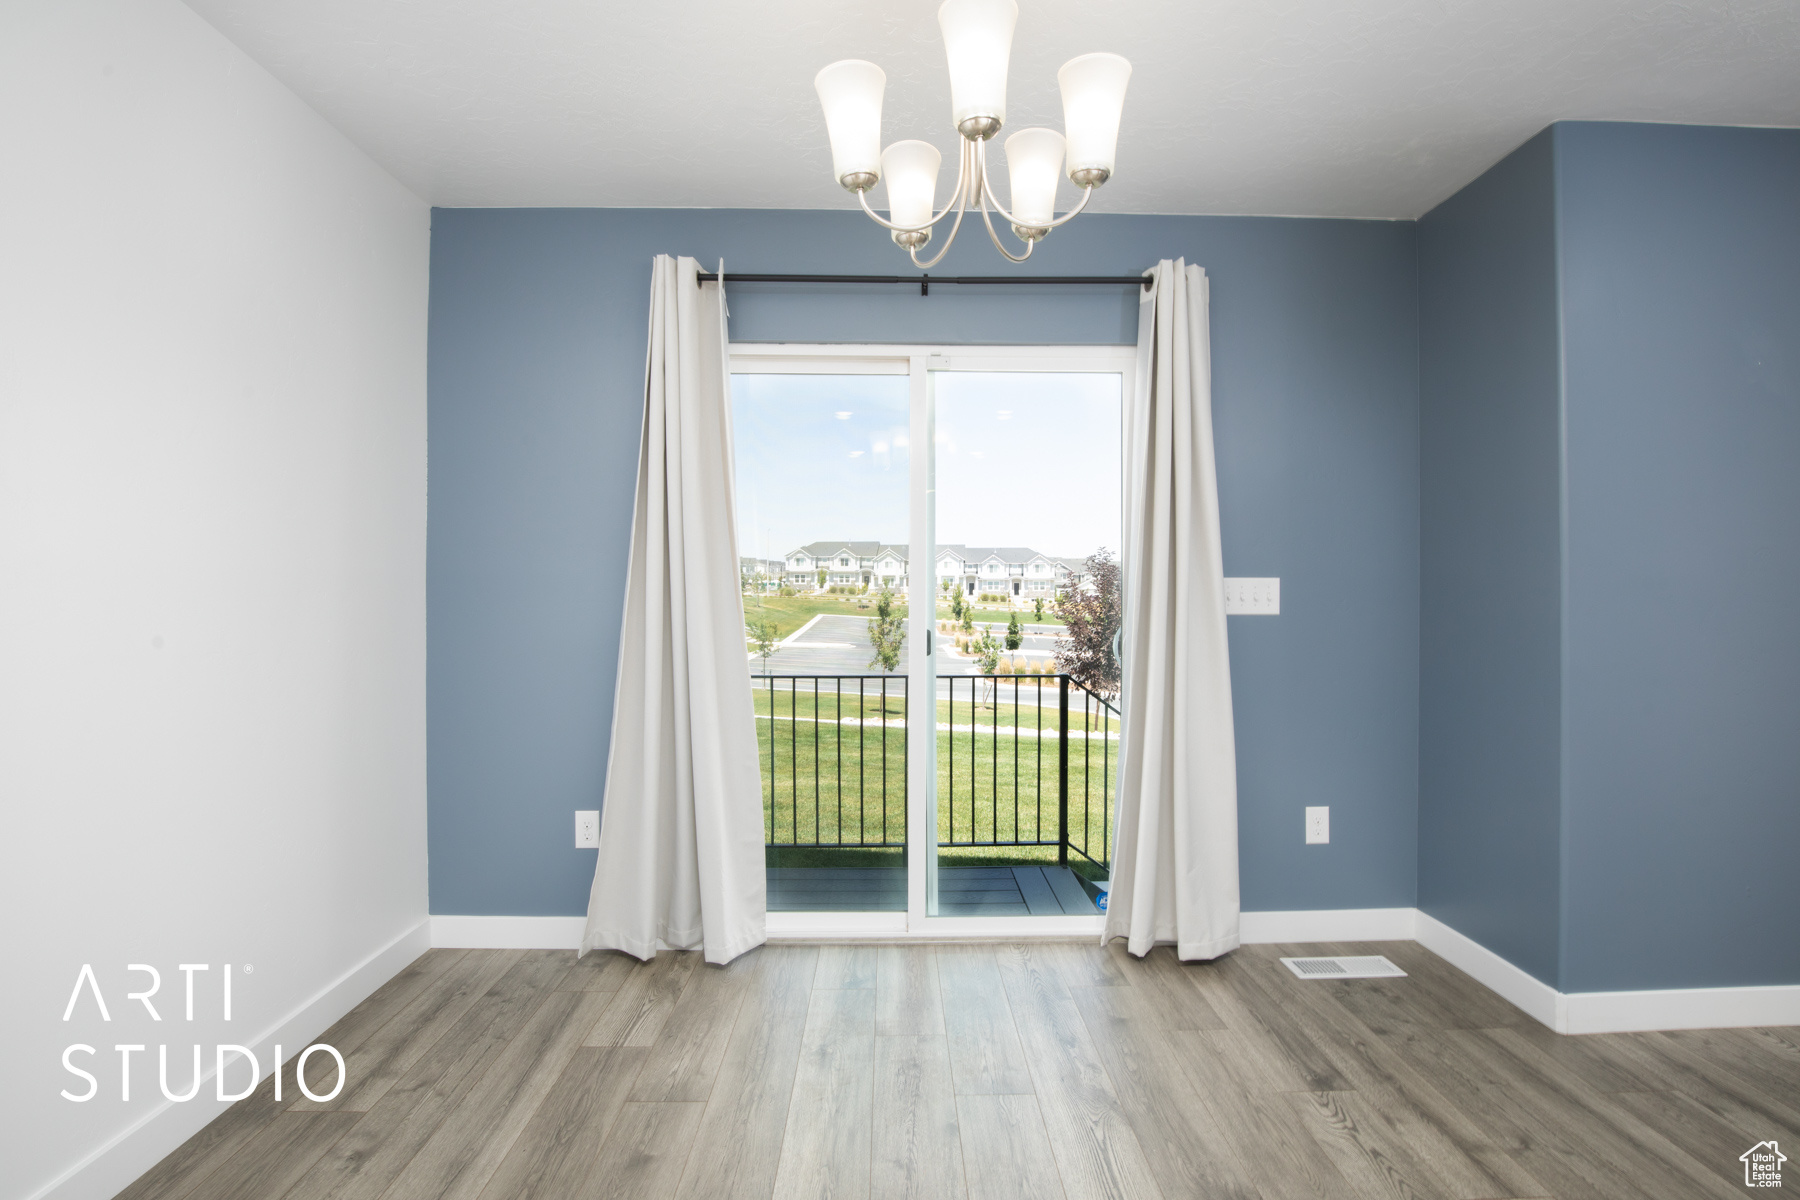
(1005, 667)
(789, 591)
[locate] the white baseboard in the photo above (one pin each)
(1328, 925)
(1611, 1012)
(1680, 1008)
(507, 933)
(111, 1168)
(1578, 1012)
(1522, 988)
(564, 933)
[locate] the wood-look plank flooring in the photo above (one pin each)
(971, 1072)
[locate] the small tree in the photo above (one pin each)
(1091, 616)
(763, 635)
(887, 632)
(1015, 633)
(821, 579)
(1037, 609)
(987, 652)
(956, 604)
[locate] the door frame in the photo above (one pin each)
(917, 362)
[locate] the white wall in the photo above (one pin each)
(212, 565)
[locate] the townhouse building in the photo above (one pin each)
(1008, 570)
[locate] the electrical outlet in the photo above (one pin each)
(1318, 826)
(1247, 597)
(587, 829)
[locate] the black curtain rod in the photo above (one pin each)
(925, 281)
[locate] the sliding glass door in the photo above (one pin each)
(823, 484)
(1027, 526)
(928, 541)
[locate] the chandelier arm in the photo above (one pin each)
(945, 248)
(995, 238)
(961, 182)
(1087, 193)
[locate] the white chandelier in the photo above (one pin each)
(978, 42)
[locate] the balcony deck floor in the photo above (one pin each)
(1044, 891)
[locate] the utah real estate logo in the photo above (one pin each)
(1762, 1165)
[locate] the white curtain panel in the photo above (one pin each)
(1175, 862)
(681, 837)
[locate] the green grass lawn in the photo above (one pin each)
(827, 780)
(986, 615)
(794, 699)
(791, 612)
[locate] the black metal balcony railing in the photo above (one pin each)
(1023, 762)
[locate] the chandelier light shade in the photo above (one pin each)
(1034, 159)
(978, 45)
(978, 42)
(911, 171)
(1093, 95)
(851, 93)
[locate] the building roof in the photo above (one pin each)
(860, 549)
(1011, 555)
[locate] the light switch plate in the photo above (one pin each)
(587, 829)
(1318, 825)
(1252, 597)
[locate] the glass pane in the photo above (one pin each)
(822, 487)
(1028, 535)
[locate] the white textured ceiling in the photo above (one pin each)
(1362, 108)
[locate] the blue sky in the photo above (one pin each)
(1023, 460)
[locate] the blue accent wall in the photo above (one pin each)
(1681, 312)
(1610, 555)
(1490, 562)
(538, 324)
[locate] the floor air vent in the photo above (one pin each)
(1370, 966)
